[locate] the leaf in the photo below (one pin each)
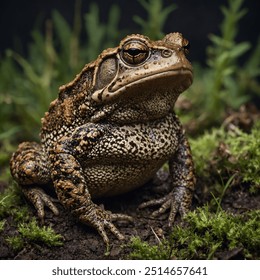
(253, 62)
(27, 67)
(239, 49)
(95, 31)
(112, 31)
(63, 30)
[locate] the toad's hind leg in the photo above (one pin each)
(29, 168)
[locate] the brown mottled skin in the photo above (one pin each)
(110, 130)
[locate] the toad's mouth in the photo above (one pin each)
(174, 80)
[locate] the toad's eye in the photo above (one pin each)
(134, 53)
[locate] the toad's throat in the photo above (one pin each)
(177, 80)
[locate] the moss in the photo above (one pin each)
(10, 201)
(204, 236)
(12, 205)
(33, 233)
(145, 251)
(245, 149)
(220, 154)
(203, 149)
(30, 232)
(207, 233)
(15, 242)
(2, 224)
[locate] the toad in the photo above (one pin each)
(109, 131)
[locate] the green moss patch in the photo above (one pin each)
(205, 236)
(13, 208)
(226, 153)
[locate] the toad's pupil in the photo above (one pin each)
(135, 52)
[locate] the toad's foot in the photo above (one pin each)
(102, 220)
(177, 201)
(39, 199)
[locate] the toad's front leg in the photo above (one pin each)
(183, 182)
(30, 168)
(70, 184)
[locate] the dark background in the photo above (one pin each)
(195, 19)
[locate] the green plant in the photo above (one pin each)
(33, 233)
(15, 242)
(145, 251)
(6, 148)
(30, 232)
(223, 55)
(12, 205)
(10, 201)
(100, 35)
(2, 224)
(241, 155)
(208, 232)
(245, 149)
(28, 85)
(203, 148)
(223, 189)
(8, 128)
(225, 83)
(157, 15)
(204, 236)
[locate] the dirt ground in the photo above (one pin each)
(82, 242)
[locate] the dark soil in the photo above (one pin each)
(83, 242)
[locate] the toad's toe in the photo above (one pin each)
(40, 199)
